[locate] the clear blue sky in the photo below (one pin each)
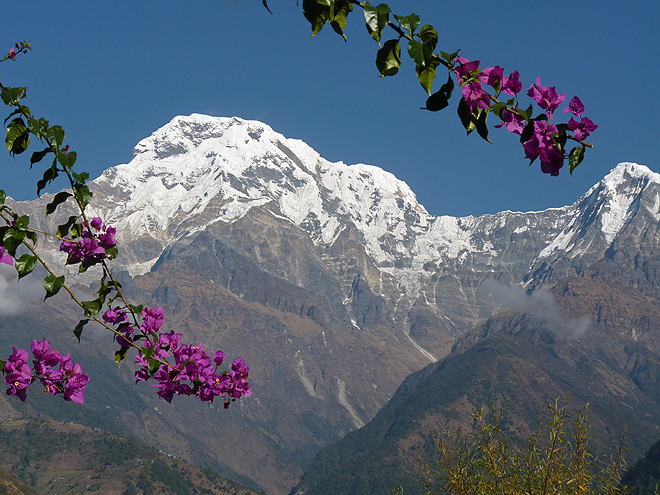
(113, 72)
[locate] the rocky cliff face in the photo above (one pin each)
(331, 280)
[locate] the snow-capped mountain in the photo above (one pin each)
(333, 275)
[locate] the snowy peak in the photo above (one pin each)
(197, 161)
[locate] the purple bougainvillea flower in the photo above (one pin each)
(45, 358)
(18, 374)
(4, 257)
(463, 71)
(218, 358)
(514, 123)
(115, 316)
(96, 223)
(542, 146)
(575, 107)
(512, 84)
(75, 388)
(475, 97)
(152, 319)
(107, 237)
(546, 98)
(492, 76)
(582, 129)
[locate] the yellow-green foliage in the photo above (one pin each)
(554, 460)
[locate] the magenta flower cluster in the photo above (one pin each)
(194, 372)
(5, 258)
(67, 379)
(542, 144)
(92, 244)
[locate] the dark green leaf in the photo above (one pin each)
(18, 111)
(120, 355)
(83, 194)
(575, 158)
(32, 236)
(53, 284)
(50, 174)
(79, 328)
(467, 119)
(2, 365)
(440, 99)
(12, 96)
(265, 5)
(25, 264)
(59, 198)
(376, 19)
(339, 11)
(3, 196)
(316, 13)
(37, 156)
(482, 127)
(67, 159)
(91, 308)
(86, 264)
(410, 23)
(388, 58)
(63, 230)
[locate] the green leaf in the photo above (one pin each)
(388, 58)
(136, 309)
(415, 52)
(426, 74)
(12, 96)
(410, 23)
(265, 3)
(429, 37)
(37, 156)
(112, 252)
(22, 222)
(86, 264)
(339, 11)
(63, 230)
(83, 194)
(449, 57)
(3, 196)
(53, 284)
(317, 13)
(18, 137)
(25, 264)
(80, 178)
(67, 159)
(575, 158)
(498, 107)
(120, 355)
(91, 308)
(59, 198)
(154, 364)
(38, 127)
(2, 365)
(50, 174)
(440, 99)
(79, 328)
(55, 136)
(12, 239)
(376, 19)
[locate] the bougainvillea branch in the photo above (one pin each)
(481, 89)
(89, 242)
